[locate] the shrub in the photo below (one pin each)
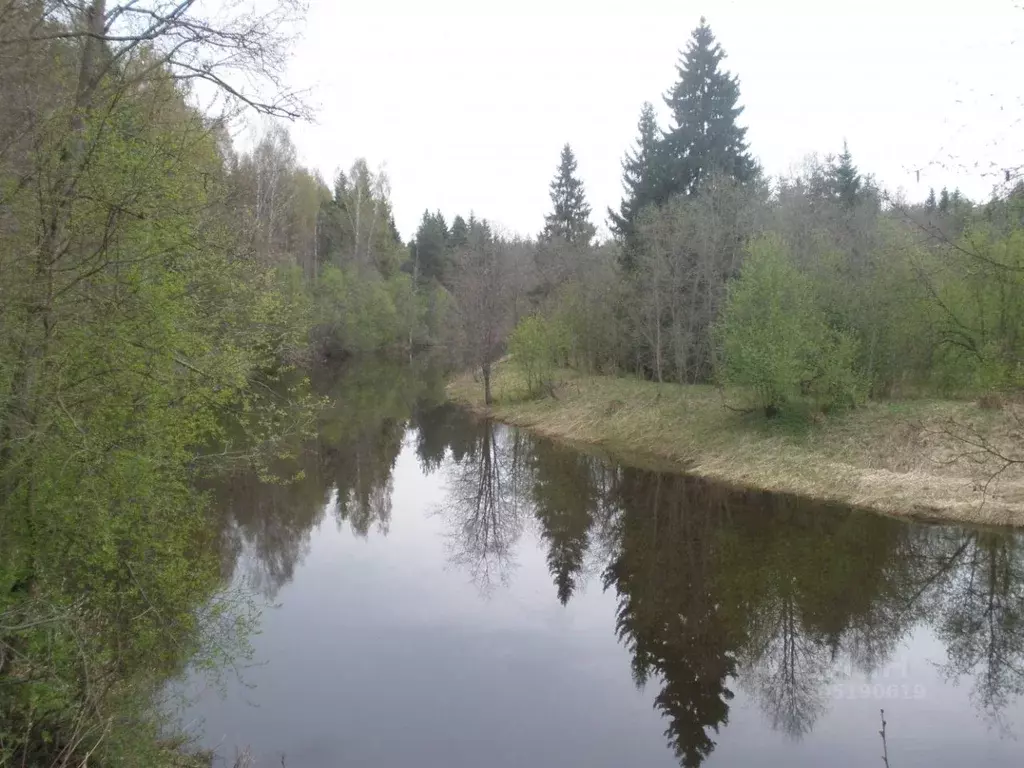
(774, 339)
(538, 345)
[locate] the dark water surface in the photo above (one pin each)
(449, 592)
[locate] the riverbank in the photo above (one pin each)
(899, 458)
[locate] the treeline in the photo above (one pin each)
(335, 251)
(817, 288)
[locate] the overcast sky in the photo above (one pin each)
(469, 107)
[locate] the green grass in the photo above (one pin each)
(894, 457)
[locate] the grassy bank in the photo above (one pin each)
(900, 458)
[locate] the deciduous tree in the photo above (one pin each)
(482, 294)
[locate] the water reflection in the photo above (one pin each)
(346, 471)
(982, 617)
(487, 503)
(717, 590)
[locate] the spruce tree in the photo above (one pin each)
(846, 179)
(944, 201)
(429, 249)
(641, 174)
(929, 203)
(459, 234)
(705, 137)
(570, 219)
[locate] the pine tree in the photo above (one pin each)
(570, 219)
(846, 179)
(705, 138)
(929, 203)
(640, 175)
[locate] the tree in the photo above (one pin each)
(944, 201)
(929, 203)
(430, 248)
(685, 252)
(264, 181)
(705, 137)
(846, 178)
(133, 326)
(458, 237)
(538, 345)
(482, 295)
(241, 54)
(775, 340)
(570, 219)
(838, 182)
(641, 176)
(357, 226)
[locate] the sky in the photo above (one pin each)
(467, 104)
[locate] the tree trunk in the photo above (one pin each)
(487, 383)
(657, 347)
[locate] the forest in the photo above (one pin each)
(163, 293)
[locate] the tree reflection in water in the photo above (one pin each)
(266, 525)
(716, 589)
(720, 587)
(486, 504)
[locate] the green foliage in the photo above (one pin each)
(538, 346)
(437, 308)
(358, 312)
(355, 310)
(356, 226)
(978, 288)
(776, 341)
(137, 333)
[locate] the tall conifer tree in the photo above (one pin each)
(641, 175)
(705, 137)
(846, 178)
(429, 248)
(459, 233)
(570, 218)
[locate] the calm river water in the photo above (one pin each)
(442, 591)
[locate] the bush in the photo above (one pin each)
(538, 346)
(774, 339)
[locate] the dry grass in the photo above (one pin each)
(900, 458)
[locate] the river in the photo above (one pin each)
(445, 591)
